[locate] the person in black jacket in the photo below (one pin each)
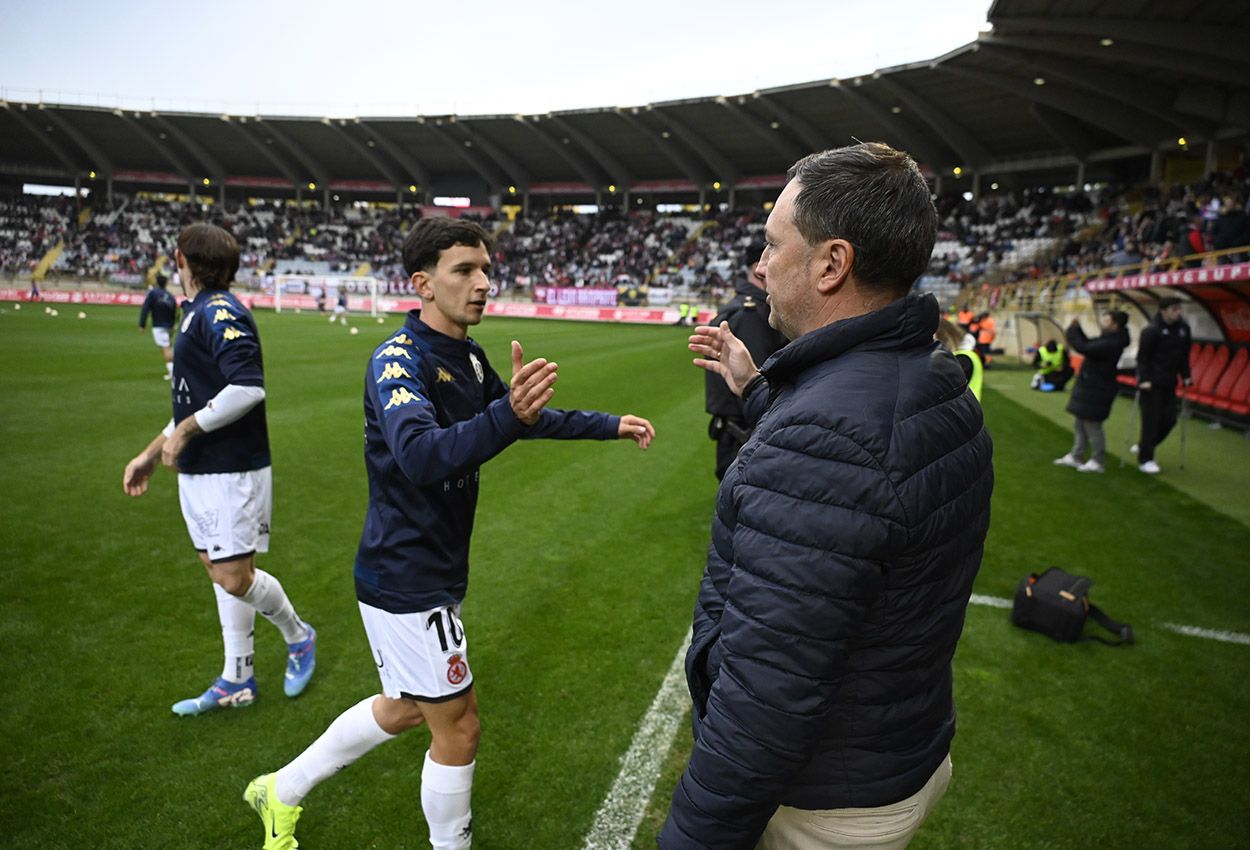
(1095, 389)
(1162, 357)
(846, 537)
(747, 316)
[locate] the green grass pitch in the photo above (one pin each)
(586, 559)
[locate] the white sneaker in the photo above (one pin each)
(1090, 465)
(1150, 468)
(1068, 460)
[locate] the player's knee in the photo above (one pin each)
(236, 584)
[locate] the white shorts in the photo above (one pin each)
(227, 513)
(421, 656)
(160, 336)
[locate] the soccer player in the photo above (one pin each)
(220, 444)
(340, 307)
(435, 411)
(163, 308)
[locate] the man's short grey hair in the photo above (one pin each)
(874, 197)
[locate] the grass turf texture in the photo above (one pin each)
(586, 559)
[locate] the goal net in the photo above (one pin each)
(323, 291)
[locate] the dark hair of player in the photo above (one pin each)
(431, 236)
(212, 255)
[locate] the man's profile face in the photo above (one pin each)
(787, 267)
(455, 291)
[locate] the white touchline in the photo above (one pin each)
(1191, 631)
(617, 820)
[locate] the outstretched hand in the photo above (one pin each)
(637, 429)
(531, 385)
(724, 354)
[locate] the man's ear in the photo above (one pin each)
(838, 258)
(421, 283)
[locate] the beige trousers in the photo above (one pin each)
(880, 828)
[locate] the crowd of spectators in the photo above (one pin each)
(30, 226)
(1013, 236)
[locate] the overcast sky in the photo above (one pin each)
(378, 57)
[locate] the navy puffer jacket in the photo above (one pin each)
(846, 538)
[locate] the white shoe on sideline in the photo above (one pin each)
(1067, 460)
(1150, 468)
(1090, 465)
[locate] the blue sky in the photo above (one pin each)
(377, 57)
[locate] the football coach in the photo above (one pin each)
(846, 536)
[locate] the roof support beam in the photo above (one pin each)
(160, 147)
(665, 145)
(102, 163)
(1154, 101)
(514, 173)
(1203, 39)
(266, 150)
(721, 166)
(905, 135)
(315, 168)
(495, 181)
(57, 151)
(211, 165)
(769, 135)
(610, 164)
(807, 134)
(972, 152)
(1067, 131)
(1233, 73)
(561, 149)
(405, 159)
(367, 152)
(1123, 121)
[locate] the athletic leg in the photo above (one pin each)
(447, 776)
(1151, 416)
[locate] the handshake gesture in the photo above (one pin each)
(532, 387)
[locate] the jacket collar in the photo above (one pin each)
(909, 322)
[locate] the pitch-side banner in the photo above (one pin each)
(1239, 273)
(517, 310)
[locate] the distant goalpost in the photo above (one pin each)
(301, 290)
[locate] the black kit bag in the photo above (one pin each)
(1057, 604)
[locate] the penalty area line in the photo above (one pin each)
(622, 810)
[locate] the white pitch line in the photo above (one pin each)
(1190, 631)
(1210, 634)
(622, 811)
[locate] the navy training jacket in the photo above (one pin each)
(846, 539)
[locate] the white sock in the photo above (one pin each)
(352, 734)
(267, 596)
(169, 367)
(237, 622)
(446, 792)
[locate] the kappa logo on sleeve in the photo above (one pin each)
(223, 313)
(393, 351)
(401, 338)
(232, 333)
(401, 397)
(393, 371)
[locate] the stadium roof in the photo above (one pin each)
(1055, 86)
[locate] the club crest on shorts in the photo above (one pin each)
(457, 670)
(477, 367)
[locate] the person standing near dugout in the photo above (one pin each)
(161, 305)
(219, 441)
(1095, 389)
(1162, 358)
(435, 411)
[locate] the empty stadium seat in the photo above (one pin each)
(1205, 381)
(1224, 386)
